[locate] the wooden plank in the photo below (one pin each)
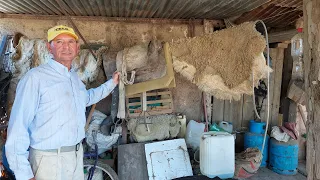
(237, 113)
(153, 108)
(144, 101)
(150, 94)
(311, 64)
(286, 78)
(277, 55)
(279, 45)
(151, 113)
(281, 36)
(277, 86)
(166, 99)
(151, 102)
(122, 91)
(247, 110)
(208, 28)
(208, 99)
(217, 110)
(273, 55)
(227, 111)
(233, 112)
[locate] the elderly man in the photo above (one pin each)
(47, 121)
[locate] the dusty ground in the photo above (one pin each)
(267, 174)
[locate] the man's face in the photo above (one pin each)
(64, 48)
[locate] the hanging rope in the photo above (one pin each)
(124, 75)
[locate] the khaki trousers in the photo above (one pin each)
(57, 165)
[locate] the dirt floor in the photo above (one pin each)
(267, 174)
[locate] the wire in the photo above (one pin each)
(268, 85)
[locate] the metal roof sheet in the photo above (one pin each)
(171, 9)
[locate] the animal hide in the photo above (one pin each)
(222, 63)
(147, 60)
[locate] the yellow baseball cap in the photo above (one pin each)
(60, 29)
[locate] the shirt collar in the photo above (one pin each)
(59, 67)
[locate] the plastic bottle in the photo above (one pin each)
(227, 126)
(297, 55)
(193, 134)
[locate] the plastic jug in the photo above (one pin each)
(193, 134)
(217, 154)
(227, 126)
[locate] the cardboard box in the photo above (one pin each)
(296, 94)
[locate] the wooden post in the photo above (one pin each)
(208, 28)
(277, 84)
(277, 56)
(311, 43)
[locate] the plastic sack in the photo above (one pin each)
(104, 142)
(278, 135)
(247, 163)
(193, 134)
(215, 127)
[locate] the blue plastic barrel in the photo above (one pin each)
(252, 140)
(257, 127)
(283, 156)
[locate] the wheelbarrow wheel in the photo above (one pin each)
(107, 172)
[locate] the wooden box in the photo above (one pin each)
(158, 102)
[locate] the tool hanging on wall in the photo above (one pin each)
(260, 93)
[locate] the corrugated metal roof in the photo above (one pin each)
(171, 9)
(277, 13)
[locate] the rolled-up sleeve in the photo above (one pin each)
(23, 112)
(94, 95)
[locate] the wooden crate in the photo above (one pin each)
(158, 102)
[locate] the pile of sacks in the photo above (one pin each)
(286, 132)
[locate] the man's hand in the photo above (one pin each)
(116, 77)
(33, 178)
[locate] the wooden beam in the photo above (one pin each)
(277, 86)
(208, 28)
(311, 58)
(277, 56)
(279, 45)
(281, 36)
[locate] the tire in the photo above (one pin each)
(102, 166)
